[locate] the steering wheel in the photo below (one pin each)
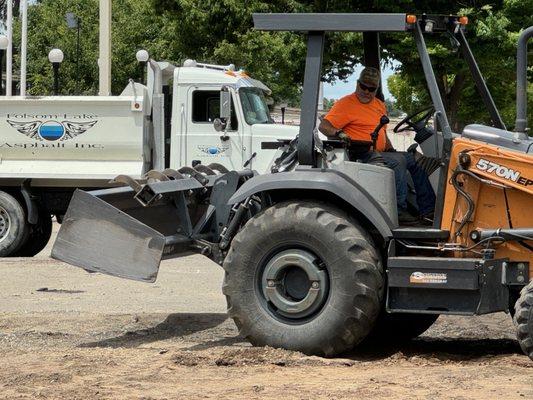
(415, 121)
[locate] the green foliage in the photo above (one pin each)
(492, 34)
(221, 31)
(328, 103)
(135, 26)
(392, 109)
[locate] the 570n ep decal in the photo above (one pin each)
(503, 172)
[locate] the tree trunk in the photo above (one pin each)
(452, 101)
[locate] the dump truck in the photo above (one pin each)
(314, 257)
(49, 146)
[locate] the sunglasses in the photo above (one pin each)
(370, 89)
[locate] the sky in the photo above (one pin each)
(339, 88)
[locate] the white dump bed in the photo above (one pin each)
(71, 141)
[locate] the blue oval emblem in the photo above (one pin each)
(213, 150)
(51, 130)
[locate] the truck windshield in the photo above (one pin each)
(254, 106)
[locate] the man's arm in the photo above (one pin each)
(327, 128)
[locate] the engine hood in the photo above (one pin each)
(275, 131)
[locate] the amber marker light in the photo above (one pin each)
(410, 19)
(463, 20)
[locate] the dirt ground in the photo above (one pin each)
(67, 334)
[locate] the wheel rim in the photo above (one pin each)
(294, 284)
(5, 224)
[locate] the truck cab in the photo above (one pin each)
(196, 107)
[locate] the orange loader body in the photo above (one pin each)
(503, 200)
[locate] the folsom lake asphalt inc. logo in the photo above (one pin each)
(51, 130)
(213, 150)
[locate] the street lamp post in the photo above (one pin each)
(56, 58)
(4, 43)
(74, 22)
(142, 57)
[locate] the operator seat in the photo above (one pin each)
(498, 137)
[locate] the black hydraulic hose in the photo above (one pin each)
(227, 234)
(466, 196)
(518, 233)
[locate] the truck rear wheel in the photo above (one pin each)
(12, 224)
(305, 277)
(38, 237)
(523, 320)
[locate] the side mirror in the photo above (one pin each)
(225, 103)
(219, 124)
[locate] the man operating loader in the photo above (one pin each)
(353, 118)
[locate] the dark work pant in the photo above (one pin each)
(401, 162)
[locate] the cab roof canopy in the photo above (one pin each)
(337, 22)
(371, 24)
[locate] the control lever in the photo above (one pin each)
(384, 120)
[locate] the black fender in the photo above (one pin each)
(31, 204)
(325, 180)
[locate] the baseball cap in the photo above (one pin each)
(370, 76)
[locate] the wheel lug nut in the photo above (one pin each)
(314, 285)
(271, 283)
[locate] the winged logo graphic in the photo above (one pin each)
(52, 130)
(213, 150)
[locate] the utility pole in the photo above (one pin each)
(24, 47)
(104, 60)
(9, 55)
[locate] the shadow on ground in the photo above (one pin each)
(439, 348)
(186, 324)
(175, 325)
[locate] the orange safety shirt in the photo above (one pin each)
(358, 120)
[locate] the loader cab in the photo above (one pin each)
(437, 141)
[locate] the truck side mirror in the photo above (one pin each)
(225, 103)
(219, 125)
(223, 123)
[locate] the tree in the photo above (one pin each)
(392, 109)
(328, 103)
(135, 26)
(492, 34)
(221, 31)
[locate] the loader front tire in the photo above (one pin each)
(13, 225)
(523, 320)
(304, 276)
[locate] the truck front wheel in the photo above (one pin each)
(12, 224)
(38, 237)
(304, 276)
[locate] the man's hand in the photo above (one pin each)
(388, 145)
(344, 137)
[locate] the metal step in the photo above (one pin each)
(420, 233)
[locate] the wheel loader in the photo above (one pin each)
(313, 254)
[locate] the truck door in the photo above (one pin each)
(203, 143)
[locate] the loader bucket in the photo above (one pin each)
(127, 231)
(98, 237)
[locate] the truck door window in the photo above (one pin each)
(206, 107)
(254, 106)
